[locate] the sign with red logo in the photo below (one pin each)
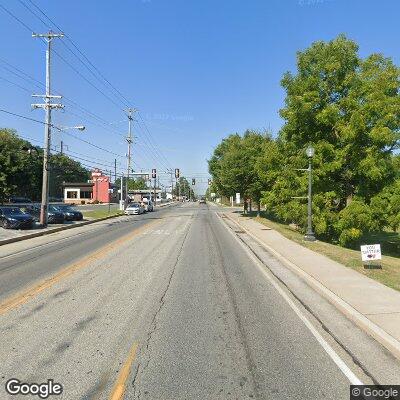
(371, 252)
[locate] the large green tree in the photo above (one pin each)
(21, 168)
(183, 188)
(233, 165)
(133, 183)
(348, 108)
(65, 169)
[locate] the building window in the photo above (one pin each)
(86, 195)
(72, 194)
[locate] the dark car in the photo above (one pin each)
(54, 216)
(19, 200)
(70, 213)
(15, 218)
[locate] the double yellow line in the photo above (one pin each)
(23, 297)
(28, 294)
(120, 385)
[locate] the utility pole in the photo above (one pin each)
(172, 185)
(47, 106)
(115, 169)
(121, 207)
(129, 140)
(155, 194)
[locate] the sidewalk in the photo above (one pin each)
(372, 306)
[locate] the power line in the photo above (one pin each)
(160, 158)
(56, 127)
(127, 102)
(151, 137)
(92, 116)
(16, 18)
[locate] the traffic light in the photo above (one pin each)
(176, 173)
(193, 181)
(154, 173)
(209, 182)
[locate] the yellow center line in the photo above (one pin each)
(120, 385)
(27, 294)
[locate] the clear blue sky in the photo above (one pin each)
(198, 70)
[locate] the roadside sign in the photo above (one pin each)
(110, 190)
(371, 252)
(237, 198)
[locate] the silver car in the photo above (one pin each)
(134, 208)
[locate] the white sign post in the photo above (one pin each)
(371, 252)
(237, 198)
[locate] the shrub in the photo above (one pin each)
(354, 221)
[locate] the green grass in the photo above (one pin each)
(100, 213)
(389, 275)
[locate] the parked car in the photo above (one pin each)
(148, 206)
(70, 213)
(134, 208)
(56, 199)
(15, 199)
(54, 216)
(15, 218)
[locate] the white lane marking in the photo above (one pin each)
(325, 345)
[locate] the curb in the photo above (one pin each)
(62, 228)
(54, 230)
(385, 339)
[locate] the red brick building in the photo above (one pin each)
(97, 189)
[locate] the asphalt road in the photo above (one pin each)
(163, 306)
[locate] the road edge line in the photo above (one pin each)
(369, 327)
(347, 372)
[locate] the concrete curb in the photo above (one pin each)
(64, 228)
(386, 340)
(54, 230)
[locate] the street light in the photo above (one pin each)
(66, 128)
(309, 236)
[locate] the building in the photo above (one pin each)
(140, 194)
(98, 189)
(77, 193)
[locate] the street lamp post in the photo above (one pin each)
(309, 236)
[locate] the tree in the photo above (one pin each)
(21, 171)
(65, 169)
(133, 184)
(348, 108)
(183, 188)
(233, 165)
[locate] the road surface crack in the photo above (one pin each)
(153, 325)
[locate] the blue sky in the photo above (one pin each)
(197, 70)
